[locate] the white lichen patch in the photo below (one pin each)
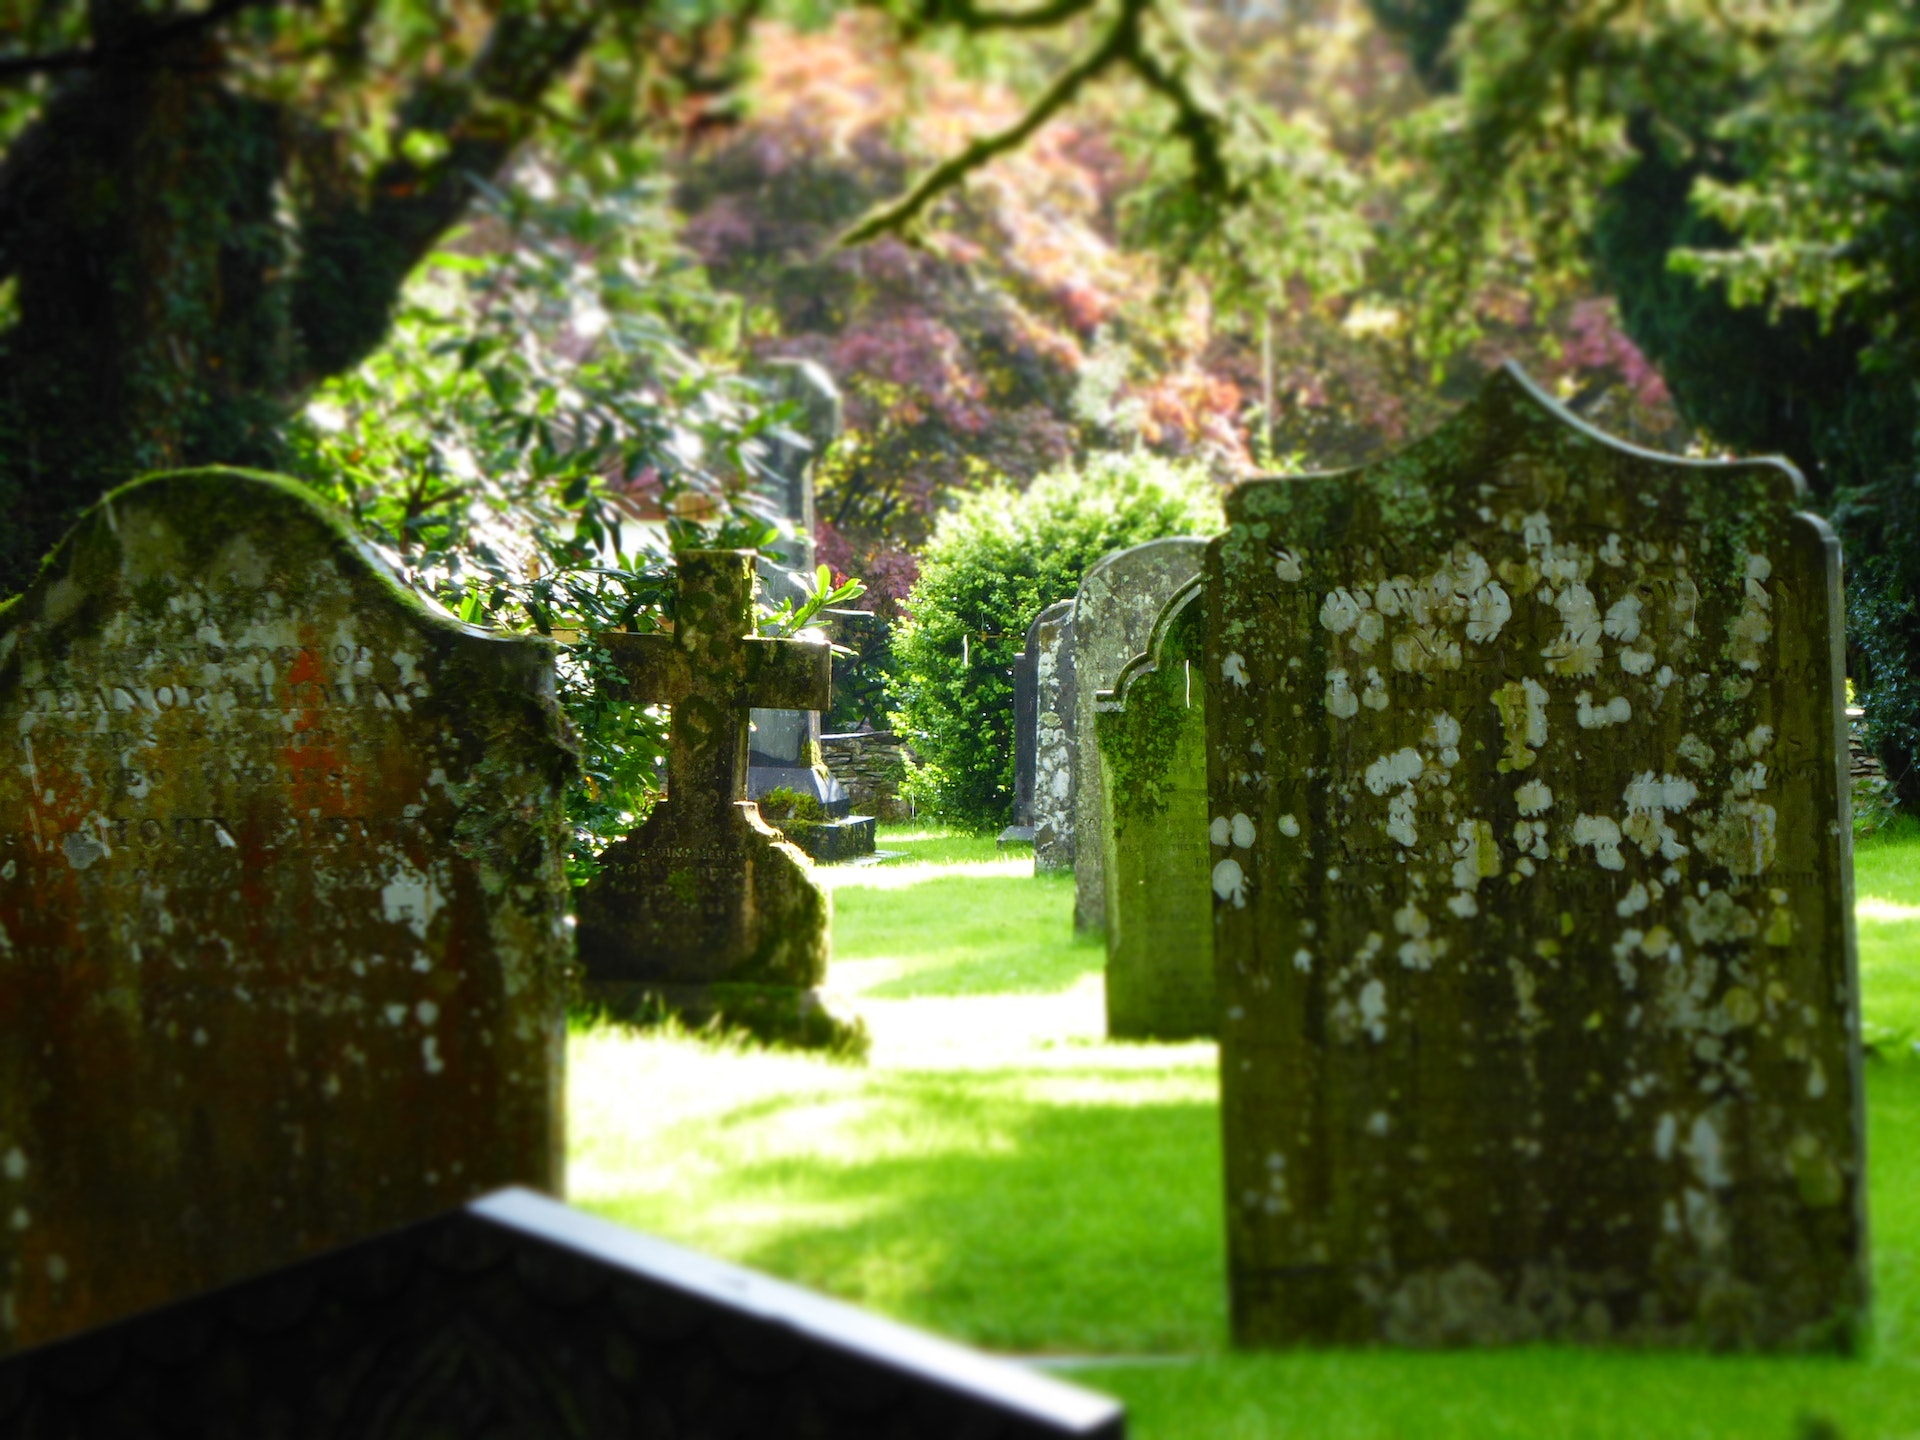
(1340, 611)
(1341, 702)
(1488, 609)
(1234, 668)
(1623, 619)
(1577, 652)
(1286, 567)
(1649, 799)
(1375, 696)
(1741, 837)
(1634, 901)
(1617, 711)
(1230, 883)
(1533, 797)
(1719, 920)
(1636, 662)
(1603, 835)
(1288, 826)
(1695, 751)
(1373, 1010)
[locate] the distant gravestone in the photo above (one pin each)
(1050, 641)
(783, 748)
(1533, 895)
(705, 909)
(1026, 724)
(518, 1317)
(1120, 597)
(282, 903)
(1152, 733)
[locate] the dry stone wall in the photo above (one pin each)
(1532, 885)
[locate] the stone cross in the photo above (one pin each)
(283, 944)
(705, 895)
(1532, 893)
(711, 670)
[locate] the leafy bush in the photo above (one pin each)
(993, 564)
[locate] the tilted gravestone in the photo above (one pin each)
(705, 909)
(1120, 597)
(1533, 898)
(282, 903)
(1152, 733)
(517, 1316)
(1050, 640)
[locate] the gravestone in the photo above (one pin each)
(705, 910)
(1050, 641)
(1533, 898)
(783, 749)
(517, 1316)
(282, 903)
(1152, 734)
(1120, 597)
(1026, 722)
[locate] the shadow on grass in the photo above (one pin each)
(997, 1208)
(966, 935)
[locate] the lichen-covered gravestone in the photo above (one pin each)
(1533, 898)
(1152, 732)
(1120, 597)
(282, 903)
(705, 910)
(1050, 641)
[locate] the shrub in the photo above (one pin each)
(993, 564)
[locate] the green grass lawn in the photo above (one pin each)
(1000, 1173)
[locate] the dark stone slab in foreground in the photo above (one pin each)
(517, 1316)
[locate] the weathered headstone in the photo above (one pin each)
(1026, 725)
(1152, 734)
(1533, 898)
(1050, 640)
(1120, 597)
(282, 903)
(783, 748)
(705, 909)
(517, 1316)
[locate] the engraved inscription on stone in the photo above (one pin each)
(1532, 888)
(282, 903)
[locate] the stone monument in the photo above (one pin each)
(783, 748)
(1120, 597)
(705, 909)
(1050, 640)
(519, 1317)
(1533, 898)
(282, 903)
(1152, 734)
(1026, 723)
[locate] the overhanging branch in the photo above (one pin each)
(897, 215)
(14, 68)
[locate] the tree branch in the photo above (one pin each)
(897, 215)
(964, 14)
(14, 68)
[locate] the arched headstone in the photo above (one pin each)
(282, 903)
(1533, 896)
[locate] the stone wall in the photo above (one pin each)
(872, 764)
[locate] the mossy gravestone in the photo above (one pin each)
(1050, 642)
(1152, 731)
(282, 903)
(1533, 898)
(705, 910)
(1120, 598)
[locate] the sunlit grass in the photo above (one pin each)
(1002, 1174)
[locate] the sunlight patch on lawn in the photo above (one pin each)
(902, 874)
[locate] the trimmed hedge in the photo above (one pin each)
(993, 564)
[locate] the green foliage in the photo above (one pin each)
(996, 561)
(555, 373)
(783, 803)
